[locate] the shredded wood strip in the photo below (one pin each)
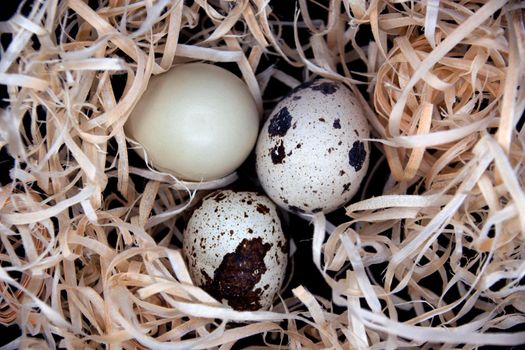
(103, 270)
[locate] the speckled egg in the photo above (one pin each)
(236, 250)
(311, 155)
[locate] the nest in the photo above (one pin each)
(436, 260)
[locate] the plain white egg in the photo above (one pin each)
(196, 121)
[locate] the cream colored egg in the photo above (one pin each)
(312, 153)
(197, 121)
(236, 250)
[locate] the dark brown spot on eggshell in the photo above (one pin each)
(322, 120)
(219, 197)
(337, 124)
(280, 123)
(357, 155)
(278, 153)
(237, 275)
(263, 209)
(346, 187)
(300, 87)
(295, 209)
(317, 210)
(283, 246)
(326, 88)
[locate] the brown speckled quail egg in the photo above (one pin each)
(236, 249)
(311, 155)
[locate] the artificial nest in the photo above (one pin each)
(89, 255)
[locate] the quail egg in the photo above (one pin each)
(236, 249)
(312, 153)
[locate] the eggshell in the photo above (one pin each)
(311, 155)
(197, 121)
(236, 250)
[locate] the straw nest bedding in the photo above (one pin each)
(83, 260)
